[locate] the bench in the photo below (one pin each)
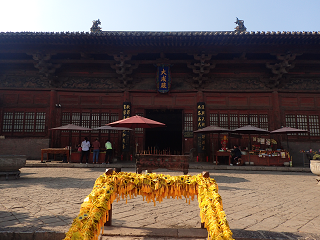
(151, 162)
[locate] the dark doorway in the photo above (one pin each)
(165, 138)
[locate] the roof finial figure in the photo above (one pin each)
(240, 27)
(95, 26)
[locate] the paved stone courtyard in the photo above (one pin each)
(258, 204)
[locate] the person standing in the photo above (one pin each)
(85, 145)
(108, 157)
(96, 151)
(236, 155)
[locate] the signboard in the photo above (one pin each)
(126, 134)
(163, 78)
(201, 123)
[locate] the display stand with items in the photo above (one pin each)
(256, 156)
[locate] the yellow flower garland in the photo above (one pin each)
(153, 187)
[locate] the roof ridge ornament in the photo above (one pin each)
(240, 28)
(95, 26)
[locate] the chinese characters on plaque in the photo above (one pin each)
(201, 124)
(163, 79)
(126, 134)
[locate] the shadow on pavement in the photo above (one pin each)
(240, 234)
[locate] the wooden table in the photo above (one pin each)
(55, 151)
(222, 154)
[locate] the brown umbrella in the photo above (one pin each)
(136, 122)
(112, 128)
(286, 130)
(212, 129)
(289, 130)
(248, 129)
(71, 127)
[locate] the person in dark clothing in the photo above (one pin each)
(235, 155)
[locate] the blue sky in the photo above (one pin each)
(163, 15)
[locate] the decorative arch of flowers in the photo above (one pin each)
(153, 187)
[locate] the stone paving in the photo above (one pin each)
(258, 204)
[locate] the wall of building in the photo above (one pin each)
(31, 147)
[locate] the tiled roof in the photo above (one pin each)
(140, 38)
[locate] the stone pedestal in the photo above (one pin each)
(315, 168)
(10, 165)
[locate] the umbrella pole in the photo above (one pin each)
(51, 139)
(70, 138)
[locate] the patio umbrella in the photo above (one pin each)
(112, 128)
(289, 130)
(136, 122)
(212, 129)
(71, 127)
(248, 129)
(286, 130)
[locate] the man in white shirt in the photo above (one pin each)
(85, 145)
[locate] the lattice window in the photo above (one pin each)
(263, 121)
(234, 121)
(66, 118)
(7, 122)
(40, 121)
(314, 125)
(224, 120)
(18, 122)
(188, 125)
(253, 120)
(214, 119)
(89, 120)
(243, 120)
(105, 119)
(75, 118)
(85, 119)
(27, 122)
(95, 120)
(302, 123)
(114, 117)
(291, 121)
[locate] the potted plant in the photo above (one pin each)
(315, 166)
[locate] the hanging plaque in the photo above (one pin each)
(126, 134)
(163, 78)
(201, 124)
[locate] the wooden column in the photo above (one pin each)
(52, 115)
(276, 121)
